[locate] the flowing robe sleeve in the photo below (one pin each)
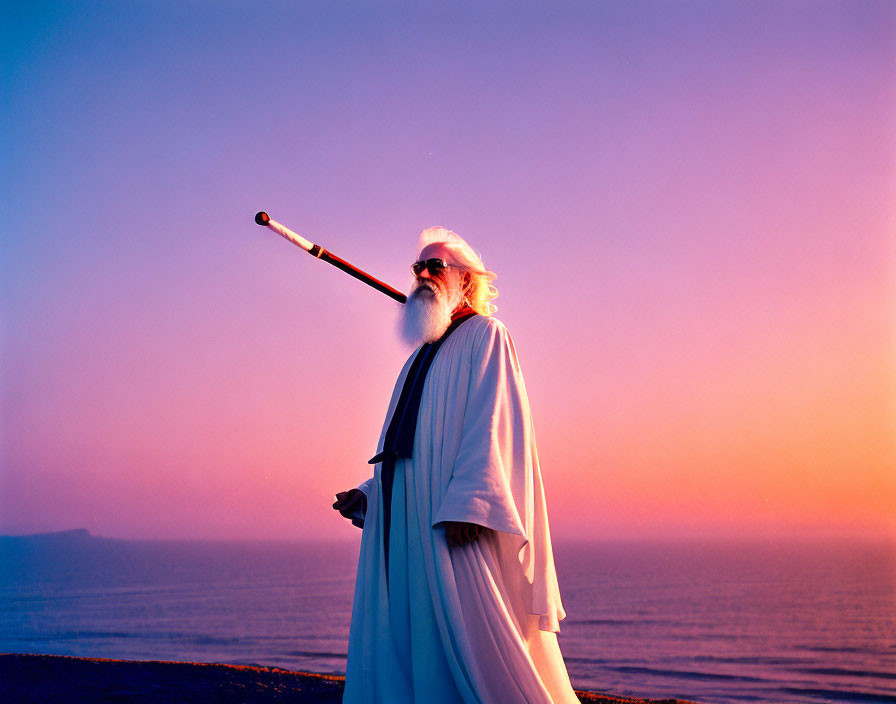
(496, 480)
(489, 471)
(366, 486)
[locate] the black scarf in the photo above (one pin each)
(399, 440)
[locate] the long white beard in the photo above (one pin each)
(426, 315)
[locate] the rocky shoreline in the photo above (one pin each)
(63, 679)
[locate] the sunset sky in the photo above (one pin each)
(691, 208)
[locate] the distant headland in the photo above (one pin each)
(67, 535)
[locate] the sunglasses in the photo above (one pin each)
(434, 266)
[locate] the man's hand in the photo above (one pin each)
(349, 501)
(459, 533)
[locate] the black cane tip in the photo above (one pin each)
(262, 218)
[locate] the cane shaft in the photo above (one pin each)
(357, 273)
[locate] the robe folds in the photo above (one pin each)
(472, 624)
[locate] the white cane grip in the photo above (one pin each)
(284, 231)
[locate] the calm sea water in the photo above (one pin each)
(713, 622)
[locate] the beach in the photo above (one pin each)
(64, 679)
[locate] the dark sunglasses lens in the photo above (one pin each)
(435, 266)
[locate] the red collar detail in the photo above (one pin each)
(461, 311)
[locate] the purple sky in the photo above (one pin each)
(690, 207)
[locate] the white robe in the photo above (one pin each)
(475, 623)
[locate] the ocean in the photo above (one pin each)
(714, 622)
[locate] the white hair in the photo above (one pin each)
(480, 291)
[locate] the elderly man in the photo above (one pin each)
(456, 598)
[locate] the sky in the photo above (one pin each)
(691, 208)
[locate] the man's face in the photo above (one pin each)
(445, 282)
(432, 300)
